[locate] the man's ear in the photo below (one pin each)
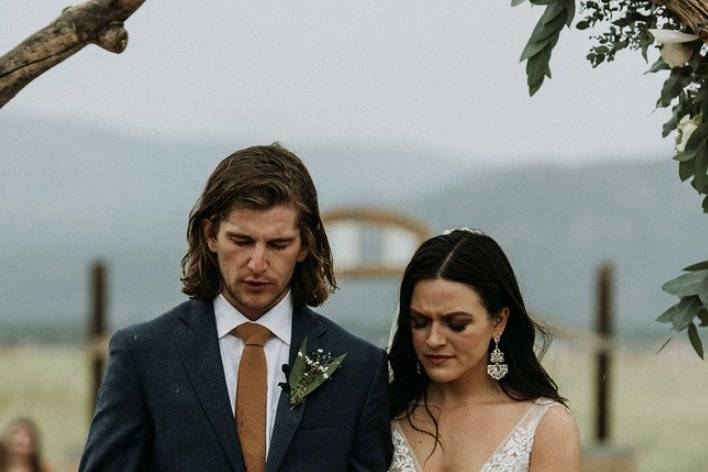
(501, 319)
(302, 255)
(208, 230)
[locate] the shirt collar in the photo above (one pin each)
(278, 319)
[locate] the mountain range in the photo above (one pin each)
(73, 192)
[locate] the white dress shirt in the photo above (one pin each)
(277, 350)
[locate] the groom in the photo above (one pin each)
(204, 387)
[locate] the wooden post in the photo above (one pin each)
(605, 329)
(97, 328)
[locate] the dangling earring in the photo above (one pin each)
(496, 368)
(417, 367)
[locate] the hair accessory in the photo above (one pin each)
(464, 228)
(496, 368)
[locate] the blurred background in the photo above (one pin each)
(413, 107)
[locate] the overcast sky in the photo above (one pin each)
(443, 76)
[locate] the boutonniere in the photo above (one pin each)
(308, 372)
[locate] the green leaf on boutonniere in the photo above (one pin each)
(309, 371)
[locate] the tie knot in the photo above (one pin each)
(252, 334)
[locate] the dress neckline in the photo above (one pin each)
(539, 402)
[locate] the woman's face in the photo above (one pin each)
(451, 329)
(20, 441)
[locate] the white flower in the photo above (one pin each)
(676, 54)
(325, 376)
(685, 128)
(671, 36)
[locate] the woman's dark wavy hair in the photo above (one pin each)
(259, 177)
(476, 260)
(35, 456)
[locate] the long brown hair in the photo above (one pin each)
(259, 177)
(476, 260)
(35, 455)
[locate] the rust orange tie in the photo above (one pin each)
(251, 393)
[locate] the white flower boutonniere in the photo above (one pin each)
(309, 371)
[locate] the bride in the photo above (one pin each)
(468, 393)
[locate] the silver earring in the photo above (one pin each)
(417, 367)
(496, 368)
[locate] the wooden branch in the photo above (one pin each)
(97, 22)
(693, 13)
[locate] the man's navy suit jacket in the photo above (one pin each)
(163, 404)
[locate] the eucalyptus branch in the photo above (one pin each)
(537, 53)
(626, 25)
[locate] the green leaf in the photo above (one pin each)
(701, 166)
(695, 339)
(532, 49)
(533, 88)
(298, 367)
(668, 315)
(686, 170)
(687, 284)
(703, 316)
(674, 85)
(686, 310)
(684, 155)
(666, 343)
(536, 68)
(552, 28)
(583, 25)
(570, 12)
(657, 66)
(703, 296)
(698, 266)
(544, 37)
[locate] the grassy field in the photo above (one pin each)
(660, 407)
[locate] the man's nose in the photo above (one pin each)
(258, 262)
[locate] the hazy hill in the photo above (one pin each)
(558, 224)
(71, 192)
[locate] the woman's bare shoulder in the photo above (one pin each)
(556, 445)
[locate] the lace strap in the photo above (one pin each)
(404, 459)
(536, 413)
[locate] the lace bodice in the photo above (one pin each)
(511, 455)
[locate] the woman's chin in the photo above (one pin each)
(441, 375)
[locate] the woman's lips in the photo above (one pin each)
(437, 359)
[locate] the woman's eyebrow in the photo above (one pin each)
(458, 313)
(453, 314)
(415, 312)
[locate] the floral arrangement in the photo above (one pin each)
(309, 371)
(678, 29)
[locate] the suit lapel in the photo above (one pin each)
(287, 420)
(198, 346)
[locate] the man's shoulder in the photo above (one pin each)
(344, 338)
(162, 326)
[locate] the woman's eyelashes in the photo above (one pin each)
(456, 325)
(419, 322)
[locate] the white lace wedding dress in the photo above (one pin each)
(511, 455)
